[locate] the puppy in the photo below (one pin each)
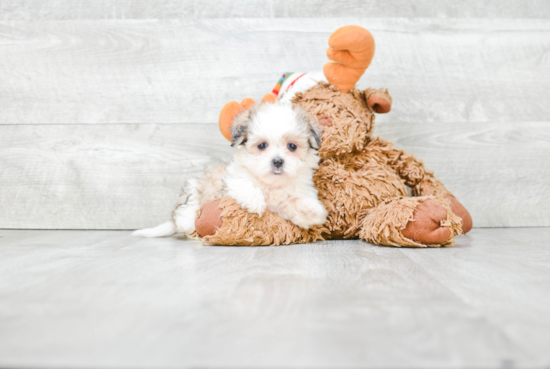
(276, 154)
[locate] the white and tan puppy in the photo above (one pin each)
(276, 154)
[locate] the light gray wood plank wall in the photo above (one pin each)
(100, 176)
(178, 9)
(149, 71)
(469, 86)
(129, 175)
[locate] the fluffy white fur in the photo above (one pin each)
(276, 154)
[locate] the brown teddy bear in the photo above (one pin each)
(362, 180)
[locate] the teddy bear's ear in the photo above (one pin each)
(378, 100)
(239, 128)
(229, 112)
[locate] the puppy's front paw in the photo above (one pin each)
(258, 208)
(310, 212)
(253, 201)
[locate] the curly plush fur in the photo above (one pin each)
(241, 228)
(362, 181)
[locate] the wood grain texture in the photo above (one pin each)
(503, 282)
(178, 9)
(184, 71)
(104, 117)
(31, 257)
(129, 176)
(100, 176)
(105, 299)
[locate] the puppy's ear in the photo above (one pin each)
(239, 129)
(239, 134)
(314, 131)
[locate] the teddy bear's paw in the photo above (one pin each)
(426, 227)
(209, 219)
(461, 211)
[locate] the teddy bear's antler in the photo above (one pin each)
(351, 48)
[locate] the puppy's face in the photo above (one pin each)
(276, 142)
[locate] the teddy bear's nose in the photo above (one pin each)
(278, 162)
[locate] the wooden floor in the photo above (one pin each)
(106, 299)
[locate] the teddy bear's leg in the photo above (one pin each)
(421, 180)
(431, 186)
(224, 222)
(426, 221)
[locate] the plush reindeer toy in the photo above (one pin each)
(362, 180)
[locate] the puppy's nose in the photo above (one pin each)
(278, 162)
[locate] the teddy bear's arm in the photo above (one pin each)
(224, 222)
(411, 169)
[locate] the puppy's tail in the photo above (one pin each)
(163, 230)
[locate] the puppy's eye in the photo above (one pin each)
(292, 147)
(262, 146)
